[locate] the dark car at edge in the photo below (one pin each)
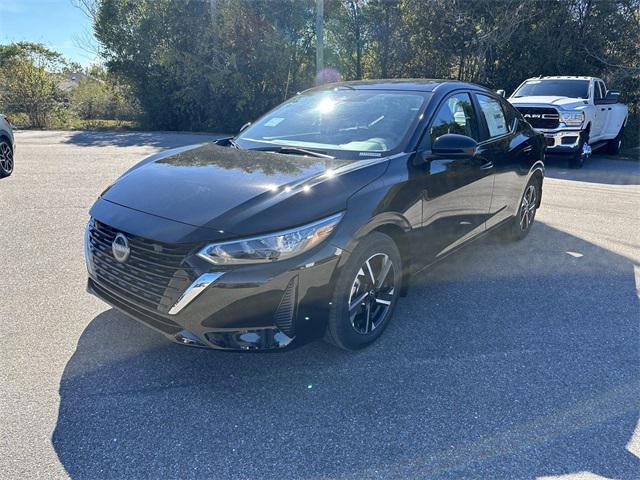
(312, 221)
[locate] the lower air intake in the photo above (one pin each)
(286, 310)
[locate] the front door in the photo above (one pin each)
(457, 192)
(600, 115)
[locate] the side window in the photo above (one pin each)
(599, 94)
(511, 114)
(494, 115)
(455, 115)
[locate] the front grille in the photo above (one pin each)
(153, 277)
(541, 117)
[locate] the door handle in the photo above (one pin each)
(486, 165)
(527, 149)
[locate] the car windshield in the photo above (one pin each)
(340, 120)
(554, 88)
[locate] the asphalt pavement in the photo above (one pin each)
(506, 361)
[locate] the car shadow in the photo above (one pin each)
(129, 139)
(598, 169)
(506, 362)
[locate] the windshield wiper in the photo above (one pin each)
(226, 142)
(293, 151)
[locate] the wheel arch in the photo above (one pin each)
(397, 227)
(4, 136)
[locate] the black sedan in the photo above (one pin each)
(312, 221)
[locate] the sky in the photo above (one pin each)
(56, 23)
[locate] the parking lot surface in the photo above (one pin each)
(506, 361)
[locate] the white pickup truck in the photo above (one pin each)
(576, 114)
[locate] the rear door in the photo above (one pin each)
(457, 190)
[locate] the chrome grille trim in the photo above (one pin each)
(195, 289)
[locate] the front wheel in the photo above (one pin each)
(583, 153)
(520, 225)
(365, 294)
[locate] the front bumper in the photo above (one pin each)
(254, 307)
(562, 141)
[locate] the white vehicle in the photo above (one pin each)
(576, 114)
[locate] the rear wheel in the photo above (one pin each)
(6, 159)
(366, 293)
(520, 225)
(614, 145)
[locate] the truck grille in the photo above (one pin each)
(153, 277)
(541, 117)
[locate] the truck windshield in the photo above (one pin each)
(340, 120)
(554, 88)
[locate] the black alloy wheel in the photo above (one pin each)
(366, 293)
(371, 293)
(520, 225)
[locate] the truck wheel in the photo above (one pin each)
(583, 154)
(613, 146)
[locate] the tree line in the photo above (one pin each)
(213, 65)
(40, 88)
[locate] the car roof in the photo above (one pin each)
(406, 84)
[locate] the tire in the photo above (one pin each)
(520, 225)
(583, 153)
(614, 145)
(6, 159)
(360, 308)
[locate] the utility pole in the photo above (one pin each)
(319, 35)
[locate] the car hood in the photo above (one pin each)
(240, 191)
(560, 102)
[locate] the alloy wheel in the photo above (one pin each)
(6, 158)
(372, 292)
(528, 207)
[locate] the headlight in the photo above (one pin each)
(572, 118)
(271, 247)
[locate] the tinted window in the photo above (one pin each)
(494, 116)
(554, 88)
(455, 115)
(340, 119)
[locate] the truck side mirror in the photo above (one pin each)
(612, 96)
(501, 92)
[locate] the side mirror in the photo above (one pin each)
(454, 145)
(612, 96)
(502, 93)
(244, 127)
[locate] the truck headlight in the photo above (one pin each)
(270, 247)
(572, 118)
